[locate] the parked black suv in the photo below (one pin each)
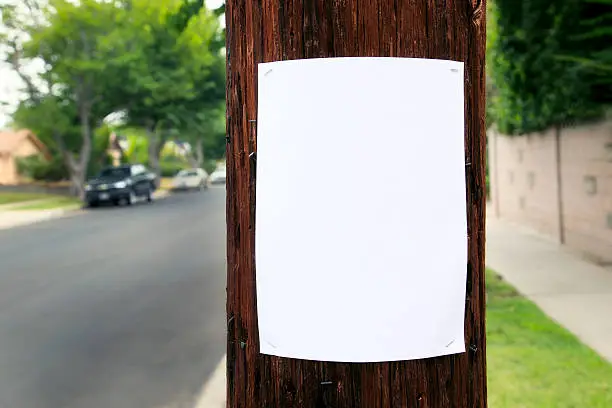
(124, 184)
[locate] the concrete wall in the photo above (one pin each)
(558, 183)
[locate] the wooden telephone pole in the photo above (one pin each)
(272, 30)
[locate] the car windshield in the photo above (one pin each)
(115, 172)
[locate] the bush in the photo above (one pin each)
(533, 56)
(210, 165)
(170, 168)
(37, 168)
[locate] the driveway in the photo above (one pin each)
(116, 307)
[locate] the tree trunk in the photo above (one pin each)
(76, 172)
(86, 146)
(156, 144)
(77, 169)
(196, 157)
(77, 179)
(271, 30)
(199, 153)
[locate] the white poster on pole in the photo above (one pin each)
(361, 230)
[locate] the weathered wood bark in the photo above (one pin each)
(270, 30)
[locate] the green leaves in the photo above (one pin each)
(176, 63)
(158, 62)
(545, 63)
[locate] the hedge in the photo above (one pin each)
(549, 61)
(40, 169)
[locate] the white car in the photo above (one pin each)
(218, 176)
(192, 179)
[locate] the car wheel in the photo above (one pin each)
(150, 195)
(129, 199)
(91, 204)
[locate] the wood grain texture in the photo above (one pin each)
(271, 30)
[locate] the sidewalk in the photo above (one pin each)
(213, 392)
(571, 290)
(10, 219)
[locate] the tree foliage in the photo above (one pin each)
(547, 61)
(66, 101)
(179, 73)
(159, 63)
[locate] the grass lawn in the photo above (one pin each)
(533, 362)
(11, 198)
(52, 202)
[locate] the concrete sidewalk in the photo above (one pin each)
(573, 291)
(10, 219)
(213, 394)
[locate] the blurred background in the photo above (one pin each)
(549, 216)
(124, 305)
(111, 104)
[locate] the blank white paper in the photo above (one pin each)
(361, 229)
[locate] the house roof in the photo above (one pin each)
(10, 141)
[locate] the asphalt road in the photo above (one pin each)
(114, 308)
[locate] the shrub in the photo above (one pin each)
(37, 168)
(541, 56)
(209, 165)
(170, 168)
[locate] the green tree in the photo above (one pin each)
(179, 71)
(67, 100)
(159, 62)
(205, 132)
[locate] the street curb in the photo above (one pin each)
(46, 216)
(159, 194)
(57, 213)
(213, 393)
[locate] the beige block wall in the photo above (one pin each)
(525, 188)
(586, 170)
